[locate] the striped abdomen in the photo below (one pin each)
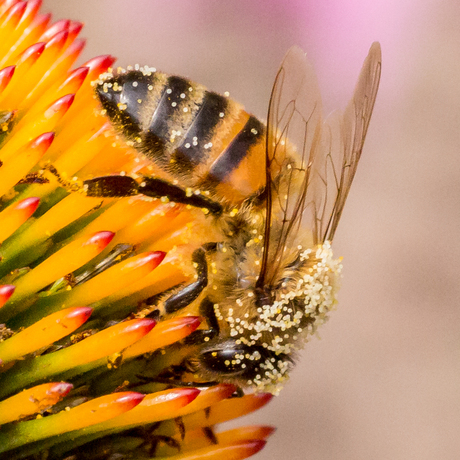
(202, 139)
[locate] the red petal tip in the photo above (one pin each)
(227, 388)
(6, 290)
(145, 323)
(100, 64)
(268, 430)
(77, 45)
(32, 8)
(34, 50)
(191, 321)
(189, 393)
(42, 19)
(101, 239)
(130, 398)
(62, 388)
(75, 28)
(159, 256)
(54, 29)
(79, 73)
(255, 445)
(43, 141)
(58, 40)
(7, 72)
(264, 398)
(62, 104)
(31, 204)
(16, 11)
(152, 258)
(80, 312)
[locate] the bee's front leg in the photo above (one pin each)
(118, 185)
(189, 293)
(205, 335)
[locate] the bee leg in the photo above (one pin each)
(190, 292)
(113, 186)
(157, 188)
(200, 336)
(122, 186)
(207, 311)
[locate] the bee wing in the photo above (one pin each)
(311, 191)
(342, 141)
(294, 119)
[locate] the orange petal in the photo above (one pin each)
(70, 86)
(63, 213)
(5, 6)
(44, 332)
(46, 122)
(53, 75)
(155, 407)
(114, 278)
(107, 342)
(199, 439)
(28, 38)
(5, 76)
(17, 166)
(28, 14)
(219, 412)
(66, 260)
(237, 451)
(8, 24)
(98, 65)
(11, 96)
(33, 400)
(165, 333)
(15, 215)
(87, 414)
(166, 276)
(54, 29)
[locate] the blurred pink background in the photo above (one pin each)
(384, 381)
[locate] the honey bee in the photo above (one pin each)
(273, 195)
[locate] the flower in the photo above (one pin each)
(78, 354)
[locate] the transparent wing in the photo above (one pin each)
(310, 164)
(294, 121)
(342, 142)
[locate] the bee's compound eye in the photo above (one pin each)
(244, 365)
(223, 361)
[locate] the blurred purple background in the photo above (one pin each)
(384, 381)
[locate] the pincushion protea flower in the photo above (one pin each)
(74, 380)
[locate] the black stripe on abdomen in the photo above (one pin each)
(193, 148)
(169, 107)
(232, 156)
